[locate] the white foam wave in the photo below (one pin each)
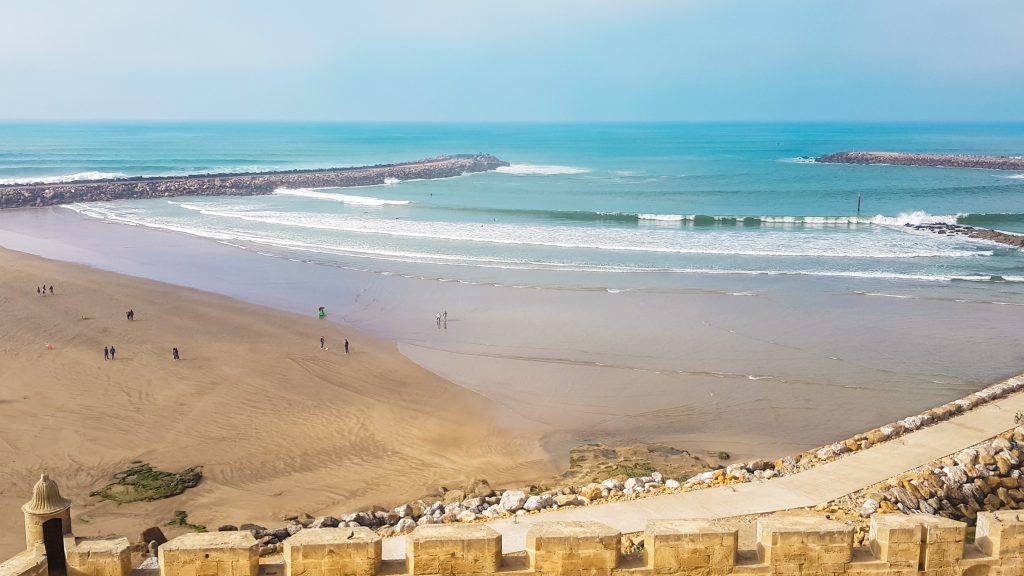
(1016, 176)
(664, 217)
(914, 218)
(665, 240)
(540, 170)
(62, 179)
(390, 181)
(344, 198)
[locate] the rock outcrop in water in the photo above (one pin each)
(911, 159)
(1015, 240)
(248, 184)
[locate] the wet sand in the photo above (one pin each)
(279, 425)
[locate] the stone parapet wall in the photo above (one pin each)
(28, 563)
(98, 556)
(899, 545)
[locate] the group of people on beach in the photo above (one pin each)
(323, 344)
(442, 319)
(42, 290)
(109, 352)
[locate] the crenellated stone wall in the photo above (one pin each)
(899, 545)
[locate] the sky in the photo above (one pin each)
(513, 60)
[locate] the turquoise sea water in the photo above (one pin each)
(613, 204)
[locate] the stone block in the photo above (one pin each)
(453, 549)
(333, 552)
(896, 539)
(942, 542)
(210, 554)
(98, 556)
(809, 542)
(579, 548)
(1001, 534)
(682, 546)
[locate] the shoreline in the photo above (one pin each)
(242, 184)
(694, 366)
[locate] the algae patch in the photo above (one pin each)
(141, 483)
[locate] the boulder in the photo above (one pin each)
(538, 503)
(153, 534)
(593, 491)
(671, 483)
(513, 500)
(227, 528)
(405, 525)
(479, 488)
(293, 528)
(466, 516)
(454, 496)
(404, 511)
(325, 522)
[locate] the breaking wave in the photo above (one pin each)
(61, 179)
(540, 170)
(344, 198)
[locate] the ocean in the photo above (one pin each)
(601, 198)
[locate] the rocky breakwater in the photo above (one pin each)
(1015, 240)
(248, 184)
(985, 477)
(911, 159)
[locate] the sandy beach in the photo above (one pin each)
(278, 425)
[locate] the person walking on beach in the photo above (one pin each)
(51, 288)
(106, 353)
(174, 354)
(346, 345)
(38, 291)
(438, 319)
(131, 314)
(112, 352)
(445, 315)
(322, 343)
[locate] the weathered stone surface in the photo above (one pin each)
(573, 548)
(210, 554)
(440, 549)
(333, 552)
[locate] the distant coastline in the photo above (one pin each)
(912, 159)
(245, 184)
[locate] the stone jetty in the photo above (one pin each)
(911, 159)
(1015, 240)
(247, 184)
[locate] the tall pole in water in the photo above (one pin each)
(858, 203)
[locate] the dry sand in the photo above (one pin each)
(279, 425)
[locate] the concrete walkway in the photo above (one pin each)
(810, 488)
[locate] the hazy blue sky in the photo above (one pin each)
(514, 60)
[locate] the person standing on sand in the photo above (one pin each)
(106, 353)
(112, 352)
(346, 345)
(51, 288)
(37, 290)
(321, 342)
(174, 354)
